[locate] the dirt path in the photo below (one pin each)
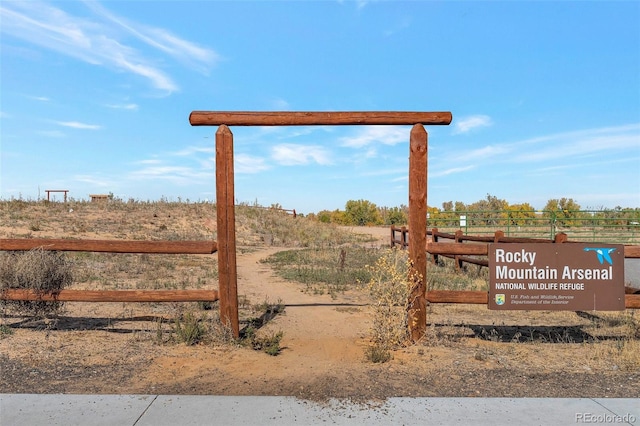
(323, 339)
(104, 349)
(315, 326)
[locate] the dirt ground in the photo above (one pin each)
(469, 351)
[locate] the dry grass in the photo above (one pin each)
(588, 340)
(389, 288)
(328, 270)
(38, 270)
(190, 323)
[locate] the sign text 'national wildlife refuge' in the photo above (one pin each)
(568, 276)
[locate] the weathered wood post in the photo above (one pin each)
(226, 218)
(560, 238)
(417, 313)
(434, 239)
(458, 240)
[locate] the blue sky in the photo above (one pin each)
(545, 96)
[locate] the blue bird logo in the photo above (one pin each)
(603, 254)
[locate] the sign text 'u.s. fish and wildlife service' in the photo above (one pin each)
(569, 276)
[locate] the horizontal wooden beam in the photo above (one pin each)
(479, 262)
(458, 248)
(455, 296)
(632, 252)
(112, 295)
(632, 301)
(329, 118)
(111, 246)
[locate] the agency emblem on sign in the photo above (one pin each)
(500, 299)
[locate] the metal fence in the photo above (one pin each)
(607, 226)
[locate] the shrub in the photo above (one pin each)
(189, 329)
(362, 212)
(42, 271)
(268, 344)
(389, 286)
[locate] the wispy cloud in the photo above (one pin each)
(163, 40)
(192, 150)
(102, 39)
(279, 104)
(244, 163)
(192, 165)
(78, 125)
(296, 155)
(92, 180)
(572, 145)
(467, 124)
(39, 98)
(405, 22)
(386, 135)
(51, 133)
(179, 175)
(360, 4)
(486, 152)
(130, 107)
(451, 171)
(149, 161)
(567, 148)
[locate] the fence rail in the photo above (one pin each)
(112, 295)
(479, 246)
(616, 226)
(111, 246)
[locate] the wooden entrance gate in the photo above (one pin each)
(228, 290)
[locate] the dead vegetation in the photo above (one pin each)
(467, 348)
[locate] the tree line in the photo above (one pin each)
(490, 211)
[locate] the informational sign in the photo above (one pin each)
(568, 276)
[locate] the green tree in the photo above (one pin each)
(565, 211)
(395, 216)
(490, 211)
(338, 217)
(460, 206)
(433, 214)
(361, 212)
(441, 218)
(324, 216)
(521, 214)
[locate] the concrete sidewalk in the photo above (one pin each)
(155, 410)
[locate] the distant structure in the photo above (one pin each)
(99, 197)
(49, 191)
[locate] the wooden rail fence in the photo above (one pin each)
(112, 246)
(225, 209)
(479, 246)
(415, 238)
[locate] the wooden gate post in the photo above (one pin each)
(417, 313)
(226, 220)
